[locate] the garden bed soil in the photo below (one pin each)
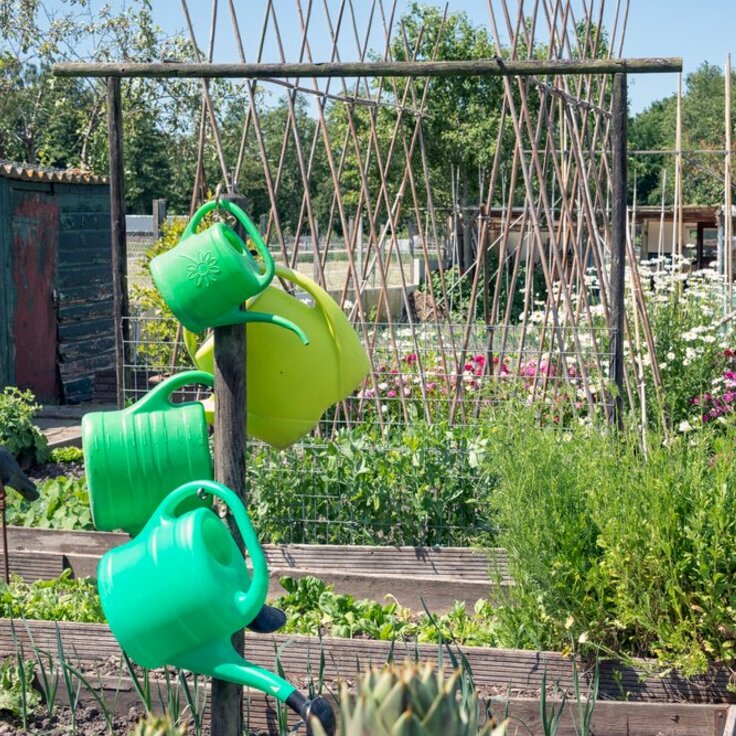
(48, 471)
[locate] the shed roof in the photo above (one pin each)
(24, 172)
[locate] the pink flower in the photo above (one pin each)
(480, 360)
(391, 394)
(410, 359)
(469, 367)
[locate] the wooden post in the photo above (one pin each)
(158, 212)
(618, 245)
(728, 219)
(230, 446)
(119, 246)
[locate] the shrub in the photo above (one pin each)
(630, 551)
(17, 431)
(158, 326)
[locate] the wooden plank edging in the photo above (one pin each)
(518, 671)
(439, 575)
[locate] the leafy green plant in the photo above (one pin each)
(459, 287)
(59, 599)
(17, 694)
(422, 485)
(155, 725)
(63, 504)
(65, 455)
(17, 431)
(410, 699)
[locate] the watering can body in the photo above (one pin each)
(290, 385)
(208, 275)
(135, 456)
(175, 594)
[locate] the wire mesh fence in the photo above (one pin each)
(400, 461)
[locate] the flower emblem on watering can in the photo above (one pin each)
(203, 269)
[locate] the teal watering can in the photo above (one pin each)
(175, 594)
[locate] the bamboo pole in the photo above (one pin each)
(119, 244)
(728, 214)
(497, 67)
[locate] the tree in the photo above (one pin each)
(703, 106)
(57, 122)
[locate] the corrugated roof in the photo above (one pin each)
(35, 173)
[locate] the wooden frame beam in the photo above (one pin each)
(472, 67)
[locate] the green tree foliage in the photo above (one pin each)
(703, 127)
(48, 121)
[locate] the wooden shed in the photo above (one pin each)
(56, 307)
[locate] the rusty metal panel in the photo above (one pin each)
(7, 362)
(35, 232)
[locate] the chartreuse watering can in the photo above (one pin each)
(207, 276)
(175, 594)
(135, 456)
(290, 385)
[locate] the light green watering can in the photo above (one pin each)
(206, 278)
(135, 456)
(290, 385)
(175, 594)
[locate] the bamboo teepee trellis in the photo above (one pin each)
(540, 227)
(548, 214)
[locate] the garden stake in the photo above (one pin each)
(5, 533)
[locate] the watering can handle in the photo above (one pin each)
(256, 593)
(159, 397)
(223, 204)
(321, 298)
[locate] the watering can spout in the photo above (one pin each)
(219, 659)
(280, 321)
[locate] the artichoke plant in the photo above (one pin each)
(410, 700)
(154, 725)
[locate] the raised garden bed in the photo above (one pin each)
(439, 576)
(511, 679)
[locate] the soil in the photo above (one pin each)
(49, 471)
(89, 722)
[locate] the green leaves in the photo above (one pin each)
(414, 487)
(17, 694)
(17, 432)
(313, 607)
(63, 504)
(60, 599)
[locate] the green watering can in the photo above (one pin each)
(135, 456)
(208, 275)
(175, 594)
(290, 385)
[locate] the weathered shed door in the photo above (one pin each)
(35, 218)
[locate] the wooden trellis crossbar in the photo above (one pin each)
(471, 67)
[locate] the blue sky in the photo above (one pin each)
(697, 30)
